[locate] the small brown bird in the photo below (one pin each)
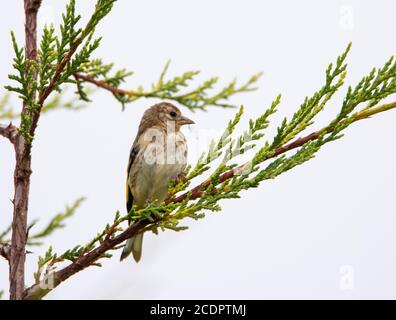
(158, 156)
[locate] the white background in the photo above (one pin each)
(299, 236)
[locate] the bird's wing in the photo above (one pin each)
(132, 156)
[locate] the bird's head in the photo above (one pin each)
(164, 113)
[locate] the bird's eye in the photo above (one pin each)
(173, 114)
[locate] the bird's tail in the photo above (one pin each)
(133, 245)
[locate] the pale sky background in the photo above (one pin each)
(298, 236)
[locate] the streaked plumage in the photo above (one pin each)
(157, 157)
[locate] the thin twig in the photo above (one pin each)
(5, 249)
(9, 131)
(102, 84)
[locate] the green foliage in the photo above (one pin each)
(47, 56)
(4, 234)
(50, 259)
(55, 63)
(6, 111)
(373, 88)
(198, 98)
(71, 254)
(66, 52)
(98, 70)
(56, 102)
(57, 222)
(216, 148)
(228, 180)
(313, 105)
(252, 173)
(44, 261)
(27, 88)
(68, 31)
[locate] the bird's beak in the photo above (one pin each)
(184, 120)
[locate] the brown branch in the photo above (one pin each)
(9, 131)
(199, 190)
(22, 171)
(39, 290)
(5, 249)
(51, 86)
(102, 84)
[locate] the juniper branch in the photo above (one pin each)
(64, 52)
(57, 222)
(56, 102)
(102, 8)
(199, 190)
(195, 99)
(146, 219)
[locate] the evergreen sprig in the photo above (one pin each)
(4, 234)
(373, 88)
(57, 222)
(58, 58)
(6, 111)
(56, 102)
(27, 87)
(43, 262)
(311, 106)
(199, 98)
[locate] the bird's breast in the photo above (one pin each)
(157, 167)
(152, 182)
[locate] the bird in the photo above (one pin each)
(158, 156)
